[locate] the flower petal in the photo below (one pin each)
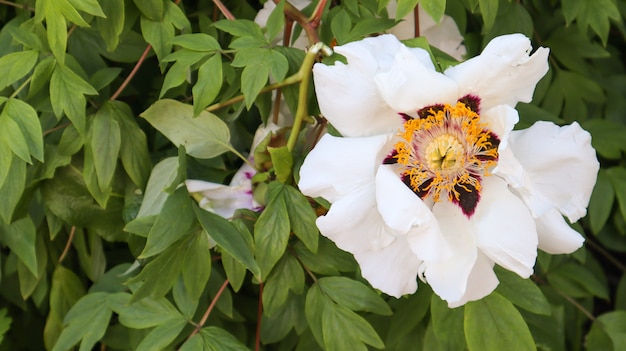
(222, 199)
(503, 73)
(481, 282)
(561, 163)
(555, 236)
(354, 224)
(505, 228)
(501, 120)
(339, 166)
(449, 277)
(406, 213)
(391, 269)
(347, 95)
(412, 83)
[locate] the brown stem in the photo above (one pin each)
(606, 255)
(416, 17)
(19, 6)
(132, 73)
(309, 25)
(208, 310)
(68, 244)
(224, 10)
(257, 339)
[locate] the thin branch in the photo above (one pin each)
(606, 255)
(52, 130)
(416, 17)
(576, 304)
(132, 73)
(288, 81)
(68, 244)
(208, 310)
(308, 25)
(224, 10)
(257, 339)
(19, 6)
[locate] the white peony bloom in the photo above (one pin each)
(444, 35)
(224, 200)
(431, 180)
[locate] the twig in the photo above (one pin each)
(606, 255)
(416, 17)
(208, 310)
(67, 245)
(257, 339)
(132, 73)
(224, 10)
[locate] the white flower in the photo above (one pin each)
(224, 200)
(431, 180)
(263, 15)
(444, 35)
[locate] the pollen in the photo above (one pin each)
(445, 152)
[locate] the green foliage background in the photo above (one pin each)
(108, 105)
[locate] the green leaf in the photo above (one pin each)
(302, 218)
(258, 63)
(597, 15)
(12, 187)
(341, 25)
(159, 35)
(240, 28)
(208, 85)
(282, 161)
(315, 305)
(493, 323)
(20, 237)
(569, 93)
(106, 141)
(161, 336)
(271, 232)
(197, 42)
(369, 26)
(171, 224)
(577, 281)
(27, 120)
(435, 8)
(217, 339)
(620, 294)
(205, 136)
(162, 177)
(197, 266)
(618, 178)
(447, 324)
(235, 271)
(288, 316)
(112, 25)
(92, 7)
(346, 330)
(522, 292)
(41, 75)
(405, 7)
(612, 325)
(327, 260)
(601, 202)
(67, 95)
(353, 295)
(489, 11)
(228, 238)
(5, 323)
(153, 9)
(287, 275)
(16, 65)
(134, 146)
(276, 21)
(606, 137)
(146, 313)
(158, 276)
(87, 320)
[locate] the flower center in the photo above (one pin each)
(445, 152)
